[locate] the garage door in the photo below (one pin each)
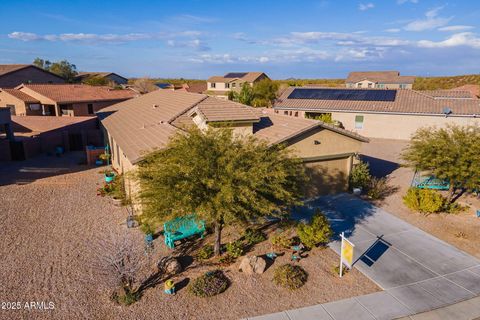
(327, 177)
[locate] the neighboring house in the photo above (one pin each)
(196, 87)
(6, 134)
(12, 75)
(220, 86)
(61, 99)
(138, 126)
(20, 103)
(379, 80)
(389, 114)
(474, 89)
(109, 76)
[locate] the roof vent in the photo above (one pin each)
(155, 106)
(447, 111)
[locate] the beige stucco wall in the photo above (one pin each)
(364, 85)
(390, 126)
(9, 100)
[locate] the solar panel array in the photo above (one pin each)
(235, 75)
(343, 94)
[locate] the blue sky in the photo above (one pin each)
(196, 39)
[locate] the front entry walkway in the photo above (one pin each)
(417, 271)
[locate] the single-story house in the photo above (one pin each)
(137, 126)
(61, 99)
(109, 76)
(380, 113)
(12, 75)
(379, 80)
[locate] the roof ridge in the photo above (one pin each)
(187, 109)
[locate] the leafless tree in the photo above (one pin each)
(144, 85)
(120, 261)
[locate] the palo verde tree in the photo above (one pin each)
(451, 153)
(223, 178)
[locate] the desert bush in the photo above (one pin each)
(235, 248)
(226, 259)
(254, 236)
(281, 241)
(318, 231)
(336, 270)
(209, 284)
(378, 188)
(424, 200)
(290, 276)
(205, 252)
(360, 176)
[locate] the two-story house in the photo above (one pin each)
(220, 86)
(379, 80)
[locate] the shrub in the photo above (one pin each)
(316, 232)
(254, 236)
(360, 176)
(336, 270)
(226, 259)
(235, 249)
(290, 276)
(281, 241)
(205, 252)
(209, 284)
(377, 188)
(424, 200)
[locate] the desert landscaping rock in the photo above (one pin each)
(253, 264)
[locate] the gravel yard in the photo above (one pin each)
(461, 230)
(49, 212)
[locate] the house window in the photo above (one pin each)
(227, 85)
(234, 85)
(358, 122)
(212, 85)
(34, 107)
(381, 86)
(90, 108)
(359, 85)
(403, 86)
(296, 114)
(369, 84)
(285, 113)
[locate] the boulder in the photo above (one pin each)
(252, 264)
(170, 265)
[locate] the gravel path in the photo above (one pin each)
(49, 212)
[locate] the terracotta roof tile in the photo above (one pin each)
(380, 77)
(68, 93)
(474, 89)
(213, 109)
(21, 95)
(406, 101)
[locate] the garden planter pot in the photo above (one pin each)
(109, 177)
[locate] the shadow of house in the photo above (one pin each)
(379, 167)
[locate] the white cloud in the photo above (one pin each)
(431, 21)
(393, 30)
(195, 43)
(455, 28)
(405, 1)
(365, 6)
(467, 39)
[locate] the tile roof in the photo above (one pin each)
(7, 68)
(197, 87)
(247, 76)
(69, 93)
(449, 94)
(21, 95)
(213, 109)
(474, 89)
(147, 123)
(34, 125)
(406, 101)
(87, 74)
(380, 77)
(276, 128)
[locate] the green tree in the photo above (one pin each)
(224, 179)
(62, 68)
(264, 93)
(450, 153)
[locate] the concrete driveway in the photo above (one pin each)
(417, 271)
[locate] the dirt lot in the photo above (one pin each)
(50, 213)
(461, 230)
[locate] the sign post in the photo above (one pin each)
(346, 253)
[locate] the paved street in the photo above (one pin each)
(417, 271)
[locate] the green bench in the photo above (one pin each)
(181, 228)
